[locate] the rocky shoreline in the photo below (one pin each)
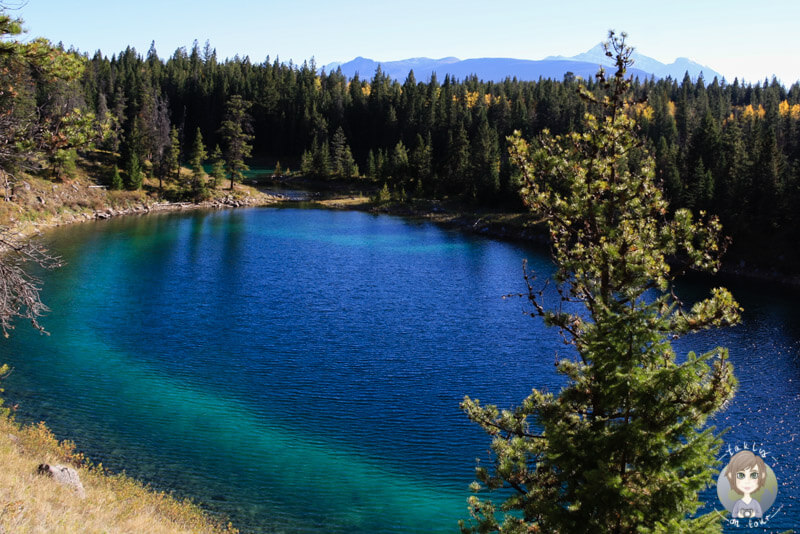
(142, 207)
(220, 203)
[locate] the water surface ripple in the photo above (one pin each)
(300, 370)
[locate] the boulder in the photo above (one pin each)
(64, 475)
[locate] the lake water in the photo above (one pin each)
(300, 370)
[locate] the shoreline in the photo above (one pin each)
(31, 229)
(520, 227)
(31, 502)
(507, 226)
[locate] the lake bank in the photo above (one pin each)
(41, 204)
(523, 227)
(32, 503)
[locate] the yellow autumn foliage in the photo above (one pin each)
(751, 113)
(642, 109)
(788, 110)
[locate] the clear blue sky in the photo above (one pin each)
(749, 39)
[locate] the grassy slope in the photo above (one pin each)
(32, 503)
(40, 203)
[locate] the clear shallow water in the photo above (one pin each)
(300, 370)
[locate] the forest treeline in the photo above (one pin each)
(730, 149)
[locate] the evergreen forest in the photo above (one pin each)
(729, 149)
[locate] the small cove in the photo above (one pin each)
(300, 370)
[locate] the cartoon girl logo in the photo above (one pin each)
(747, 486)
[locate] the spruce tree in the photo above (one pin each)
(337, 152)
(421, 162)
(372, 170)
(134, 172)
(623, 447)
(458, 161)
(116, 180)
(170, 166)
(349, 166)
(485, 182)
(321, 159)
(199, 190)
(235, 131)
(399, 163)
(217, 167)
(307, 163)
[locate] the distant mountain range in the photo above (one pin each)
(497, 69)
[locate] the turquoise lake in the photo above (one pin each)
(300, 370)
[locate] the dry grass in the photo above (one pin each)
(348, 202)
(39, 203)
(31, 503)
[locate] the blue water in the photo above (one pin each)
(300, 370)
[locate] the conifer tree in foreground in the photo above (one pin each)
(623, 447)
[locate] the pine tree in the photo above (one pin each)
(458, 161)
(667, 173)
(421, 162)
(235, 131)
(623, 447)
(134, 172)
(198, 187)
(732, 192)
(384, 195)
(372, 170)
(337, 152)
(485, 181)
(173, 156)
(217, 167)
(701, 188)
(307, 163)
(399, 163)
(381, 164)
(168, 164)
(131, 152)
(116, 180)
(349, 166)
(20, 295)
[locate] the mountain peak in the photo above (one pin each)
(497, 69)
(676, 69)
